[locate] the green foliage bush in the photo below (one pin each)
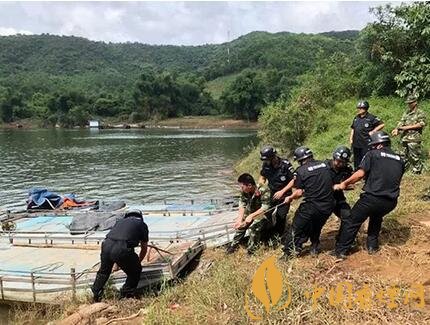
(288, 122)
(137, 116)
(285, 125)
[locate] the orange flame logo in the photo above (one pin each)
(267, 287)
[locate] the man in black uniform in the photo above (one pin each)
(278, 172)
(363, 125)
(383, 171)
(118, 247)
(340, 171)
(313, 181)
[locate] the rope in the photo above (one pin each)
(48, 267)
(273, 210)
(159, 249)
(122, 319)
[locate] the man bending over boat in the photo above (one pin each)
(118, 247)
(253, 202)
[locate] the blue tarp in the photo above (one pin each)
(41, 198)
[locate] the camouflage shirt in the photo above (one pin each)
(410, 118)
(252, 202)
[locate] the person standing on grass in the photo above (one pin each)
(314, 182)
(362, 127)
(278, 172)
(383, 171)
(340, 170)
(411, 128)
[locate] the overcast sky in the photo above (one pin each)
(179, 23)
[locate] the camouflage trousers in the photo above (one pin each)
(412, 154)
(256, 232)
(426, 195)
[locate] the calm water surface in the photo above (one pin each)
(132, 165)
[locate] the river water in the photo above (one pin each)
(138, 166)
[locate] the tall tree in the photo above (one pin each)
(399, 42)
(245, 96)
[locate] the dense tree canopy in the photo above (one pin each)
(397, 46)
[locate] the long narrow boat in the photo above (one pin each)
(41, 261)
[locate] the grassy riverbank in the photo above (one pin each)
(214, 293)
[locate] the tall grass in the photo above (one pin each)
(332, 127)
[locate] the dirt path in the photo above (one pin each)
(403, 261)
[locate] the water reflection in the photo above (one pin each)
(133, 165)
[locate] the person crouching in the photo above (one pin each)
(253, 202)
(118, 248)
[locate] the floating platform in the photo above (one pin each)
(41, 261)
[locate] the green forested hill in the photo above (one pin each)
(294, 53)
(66, 80)
(279, 78)
(68, 55)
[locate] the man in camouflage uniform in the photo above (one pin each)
(253, 202)
(411, 128)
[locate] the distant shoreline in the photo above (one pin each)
(188, 122)
(203, 122)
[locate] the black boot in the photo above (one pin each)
(372, 250)
(315, 250)
(97, 296)
(340, 256)
(231, 249)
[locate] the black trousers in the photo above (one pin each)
(343, 211)
(358, 155)
(117, 252)
(307, 224)
(367, 206)
(280, 218)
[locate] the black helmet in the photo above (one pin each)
(134, 213)
(379, 137)
(267, 153)
(363, 104)
(342, 153)
(302, 153)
